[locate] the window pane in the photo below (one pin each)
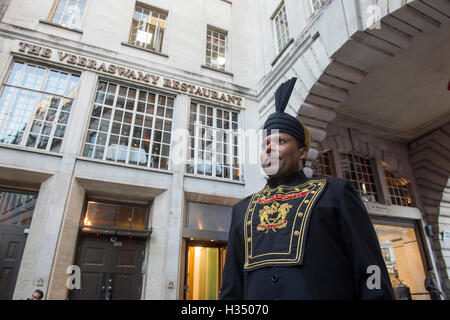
(363, 183)
(208, 217)
(211, 142)
(216, 50)
(24, 109)
(130, 134)
(401, 252)
(69, 13)
(147, 29)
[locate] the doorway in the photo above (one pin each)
(111, 267)
(204, 269)
(16, 212)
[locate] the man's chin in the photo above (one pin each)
(271, 172)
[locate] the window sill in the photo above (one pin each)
(32, 150)
(282, 51)
(217, 70)
(60, 26)
(144, 49)
(217, 179)
(124, 165)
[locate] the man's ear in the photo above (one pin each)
(303, 153)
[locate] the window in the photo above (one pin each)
(17, 208)
(68, 13)
(398, 189)
(114, 216)
(317, 4)
(359, 171)
(281, 28)
(35, 106)
(213, 142)
(130, 125)
(147, 29)
(324, 166)
(202, 216)
(216, 42)
(402, 249)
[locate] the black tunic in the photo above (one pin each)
(301, 238)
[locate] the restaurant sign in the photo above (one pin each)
(103, 67)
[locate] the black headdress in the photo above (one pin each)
(283, 122)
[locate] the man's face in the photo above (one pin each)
(280, 155)
(35, 296)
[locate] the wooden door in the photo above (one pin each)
(111, 268)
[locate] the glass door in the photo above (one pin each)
(402, 252)
(204, 271)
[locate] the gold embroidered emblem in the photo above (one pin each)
(276, 224)
(273, 217)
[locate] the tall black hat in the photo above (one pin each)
(283, 122)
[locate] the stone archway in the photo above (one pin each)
(338, 51)
(429, 157)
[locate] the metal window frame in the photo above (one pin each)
(219, 31)
(197, 140)
(40, 92)
(55, 7)
(132, 40)
(112, 229)
(134, 113)
(376, 178)
(280, 27)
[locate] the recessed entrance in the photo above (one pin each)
(16, 211)
(204, 271)
(110, 251)
(111, 267)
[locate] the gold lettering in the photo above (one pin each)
(167, 83)
(92, 64)
(46, 53)
(82, 61)
(102, 68)
(34, 50)
(223, 97)
(112, 69)
(131, 74)
(231, 99)
(205, 91)
(145, 78)
(155, 80)
(23, 46)
(176, 85)
(198, 91)
(62, 56)
(72, 59)
(122, 71)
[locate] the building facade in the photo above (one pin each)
(128, 129)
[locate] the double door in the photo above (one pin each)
(111, 267)
(12, 245)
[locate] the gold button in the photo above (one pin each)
(296, 233)
(300, 214)
(313, 192)
(297, 189)
(249, 240)
(249, 223)
(306, 201)
(280, 189)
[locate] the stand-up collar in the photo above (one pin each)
(289, 179)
